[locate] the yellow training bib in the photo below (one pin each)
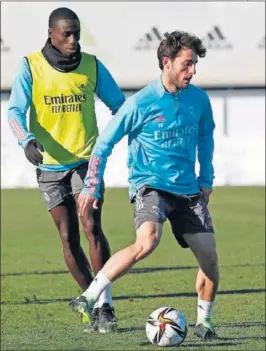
(62, 113)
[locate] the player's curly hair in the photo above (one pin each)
(174, 42)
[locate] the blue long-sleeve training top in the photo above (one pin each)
(165, 132)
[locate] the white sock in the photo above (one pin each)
(98, 285)
(204, 310)
(105, 297)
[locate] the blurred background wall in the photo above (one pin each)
(125, 37)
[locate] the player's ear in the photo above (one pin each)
(50, 33)
(166, 62)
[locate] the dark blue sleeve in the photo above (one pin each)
(107, 90)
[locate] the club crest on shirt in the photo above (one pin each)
(159, 120)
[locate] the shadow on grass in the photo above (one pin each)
(130, 330)
(244, 338)
(198, 344)
(133, 270)
(211, 344)
(242, 324)
(222, 325)
(35, 300)
(219, 342)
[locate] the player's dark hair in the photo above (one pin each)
(61, 13)
(174, 42)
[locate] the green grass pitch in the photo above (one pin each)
(36, 287)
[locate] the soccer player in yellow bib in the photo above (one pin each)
(57, 86)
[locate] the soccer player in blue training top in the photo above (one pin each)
(166, 122)
(58, 84)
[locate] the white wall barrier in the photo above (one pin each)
(239, 155)
(125, 36)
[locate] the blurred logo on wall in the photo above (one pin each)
(88, 42)
(261, 43)
(213, 40)
(4, 46)
(150, 40)
(216, 40)
(85, 35)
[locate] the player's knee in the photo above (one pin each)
(64, 236)
(87, 226)
(91, 229)
(150, 246)
(212, 259)
(210, 267)
(209, 258)
(147, 245)
(211, 270)
(69, 243)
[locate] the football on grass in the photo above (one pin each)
(166, 326)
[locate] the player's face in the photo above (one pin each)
(65, 36)
(182, 68)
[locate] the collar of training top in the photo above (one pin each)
(163, 92)
(59, 61)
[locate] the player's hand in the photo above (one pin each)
(206, 193)
(32, 152)
(85, 202)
